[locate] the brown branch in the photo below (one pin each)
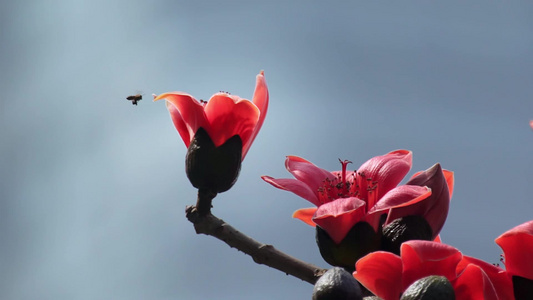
(260, 253)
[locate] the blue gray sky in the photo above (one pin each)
(93, 189)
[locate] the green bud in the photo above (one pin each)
(337, 284)
(430, 288)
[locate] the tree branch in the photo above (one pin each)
(260, 253)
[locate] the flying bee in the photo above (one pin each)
(135, 98)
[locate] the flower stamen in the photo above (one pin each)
(345, 186)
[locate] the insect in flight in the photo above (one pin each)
(135, 98)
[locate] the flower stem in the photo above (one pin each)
(203, 203)
(261, 253)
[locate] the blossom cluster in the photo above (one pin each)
(385, 233)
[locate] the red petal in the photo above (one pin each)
(425, 258)
(260, 100)
(387, 170)
(449, 181)
(339, 216)
(517, 246)
(228, 117)
(381, 273)
(307, 172)
(473, 283)
(295, 186)
(500, 279)
(399, 202)
(305, 215)
(187, 114)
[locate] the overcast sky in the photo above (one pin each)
(93, 189)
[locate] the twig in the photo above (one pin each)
(260, 253)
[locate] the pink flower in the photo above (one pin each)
(344, 198)
(388, 275)
(222, 117)
(517, 246)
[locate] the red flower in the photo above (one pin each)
(344, 198)
(222, 117)
(388, 275)
(517, 246)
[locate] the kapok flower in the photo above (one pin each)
(218, 134)
(344, 198)
(222, 117)
(388, 275)
(517, 246)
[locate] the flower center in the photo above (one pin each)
(342, 186)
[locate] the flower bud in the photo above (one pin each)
(337, 284)
(430, 288)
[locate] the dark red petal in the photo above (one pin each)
(305, 215)
(517, 246)
(449, 179)
(381, 273)
(425, 258)
(435, 208)
(295, 186)
(473, 283)
(229, 116)
(339, 216)
(386, 170)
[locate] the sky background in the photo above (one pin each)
(93, 189)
